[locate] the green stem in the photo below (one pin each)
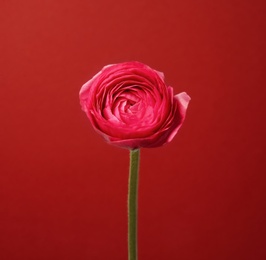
(133, 204)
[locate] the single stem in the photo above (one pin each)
(133, 204)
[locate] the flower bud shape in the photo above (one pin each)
(130, 105)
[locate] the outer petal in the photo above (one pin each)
(182, 100)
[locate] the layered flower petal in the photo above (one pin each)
(130, 105)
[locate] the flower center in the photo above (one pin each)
(129, 105)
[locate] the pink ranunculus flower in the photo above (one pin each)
(130, 105)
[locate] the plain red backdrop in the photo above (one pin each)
(63, 190)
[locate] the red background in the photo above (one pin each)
(63, 189)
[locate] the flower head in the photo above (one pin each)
(130, 105)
